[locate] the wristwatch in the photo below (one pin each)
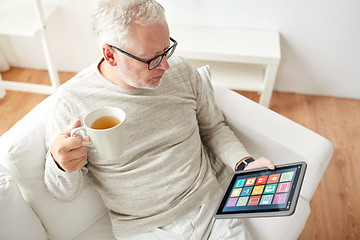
(244, 163)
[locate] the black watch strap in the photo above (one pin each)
(244, 163)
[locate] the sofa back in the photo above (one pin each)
(22, 152)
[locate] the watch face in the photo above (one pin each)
(249, 160)
(241, 166)
(244, 163)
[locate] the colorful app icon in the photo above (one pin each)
(270, 188)
(273, 178)
(285, 177)
(258, 190)
(231, 202)
(236, 192)
(240, 183)
(246, 191)
(250, 181)
(266, 199)
(261, 180)
(280, 198)
(283, 187)
(242, 201)
(254, 200)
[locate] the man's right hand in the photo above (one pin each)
(67, 151)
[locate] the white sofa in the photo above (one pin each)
(28, 211)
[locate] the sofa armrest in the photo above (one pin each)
(18, 221)
(22, 152)
(280, 228)
(266, 133)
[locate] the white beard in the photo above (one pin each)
(135, 83)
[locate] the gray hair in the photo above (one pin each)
(112, 19)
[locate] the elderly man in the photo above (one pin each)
(163, 186)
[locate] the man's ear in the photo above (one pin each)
(108, 53)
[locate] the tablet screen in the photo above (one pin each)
(263, 192)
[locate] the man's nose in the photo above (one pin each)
(163, 64)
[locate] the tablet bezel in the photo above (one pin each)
(294, 193)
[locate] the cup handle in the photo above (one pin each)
(82, 131)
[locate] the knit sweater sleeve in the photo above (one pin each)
(215, 134)
(62, 185)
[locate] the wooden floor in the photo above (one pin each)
(335, 208)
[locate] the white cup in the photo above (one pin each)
(109, 142)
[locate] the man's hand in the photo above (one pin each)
(67, 151)
(260, 163)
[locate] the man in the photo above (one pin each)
(163, 186)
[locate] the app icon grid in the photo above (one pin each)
(261, 190)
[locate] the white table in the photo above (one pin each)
(27, 18)
(242, 59)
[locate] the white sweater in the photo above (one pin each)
(164, 172)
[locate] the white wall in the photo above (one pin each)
(320, 39)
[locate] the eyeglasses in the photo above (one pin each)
(154, 62)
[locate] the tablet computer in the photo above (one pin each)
(263, 192)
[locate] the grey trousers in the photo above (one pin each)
(199, 225)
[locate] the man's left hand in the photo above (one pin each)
(260, 163)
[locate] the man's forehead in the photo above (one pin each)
(150, 40)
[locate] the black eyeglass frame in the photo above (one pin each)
(171, 48)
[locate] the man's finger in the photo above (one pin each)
(266, 163)
(72, 143)
(78, 164)
(70, 127)
(77, 153)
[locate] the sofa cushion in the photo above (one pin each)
(18, 221)
(205, 76)
(22, 151)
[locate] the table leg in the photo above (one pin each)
(269, 80)
(2, 90)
